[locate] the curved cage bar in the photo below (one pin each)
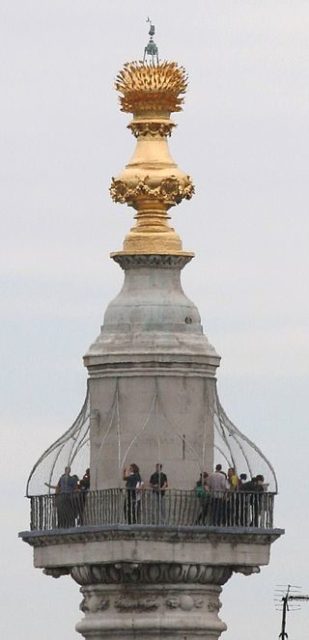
(231, 447)
(236, 450)
(72, 448)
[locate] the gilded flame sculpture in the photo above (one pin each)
(151, 182)
(147, 87)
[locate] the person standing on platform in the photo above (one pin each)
(66, 488)
(83, 488)
(134, 483)
(159, 484)
(217, 485)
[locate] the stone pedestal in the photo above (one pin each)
(160, 607)
(139, 582)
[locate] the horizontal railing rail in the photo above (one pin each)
(146, 507)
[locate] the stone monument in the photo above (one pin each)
(152, 399)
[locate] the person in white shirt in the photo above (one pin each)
(217, 480)
(217, 484)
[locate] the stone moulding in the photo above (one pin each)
(107, 369)
(97, 533)
(151, 573)
(169, 191)
(154, 261)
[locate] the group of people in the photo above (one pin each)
(230, 481)
(225, 498)
(70, 497)
(218, 504)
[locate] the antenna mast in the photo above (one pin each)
(287, 598)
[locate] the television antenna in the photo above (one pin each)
(288, 598)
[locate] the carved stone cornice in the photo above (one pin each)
(150, 573)
(97, 533)
(151, 261)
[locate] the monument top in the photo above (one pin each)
(151, 182)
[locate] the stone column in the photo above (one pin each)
(128, 600)
(152, 379)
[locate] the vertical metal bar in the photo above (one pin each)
(271, 510)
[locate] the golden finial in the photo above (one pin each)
(152, 182)
(147, 87)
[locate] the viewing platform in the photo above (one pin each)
(177, 508)
(117, 536)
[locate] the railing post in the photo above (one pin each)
(32, 523)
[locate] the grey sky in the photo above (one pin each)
(244, 138)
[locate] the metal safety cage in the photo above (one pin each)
(73, 447)
(231, 447)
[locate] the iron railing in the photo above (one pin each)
(173, 508)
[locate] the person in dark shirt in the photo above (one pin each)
(67, 483)
(158, 483)
(66, 488)
(255, 488)
(84, 483)
(133, 486)
(80, 496)
(242, 479)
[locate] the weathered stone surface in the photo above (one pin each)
(154, 582)
(149, 547)
(169, 610)
(152, 379)
(151, 315)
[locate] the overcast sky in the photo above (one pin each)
(244, 138)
